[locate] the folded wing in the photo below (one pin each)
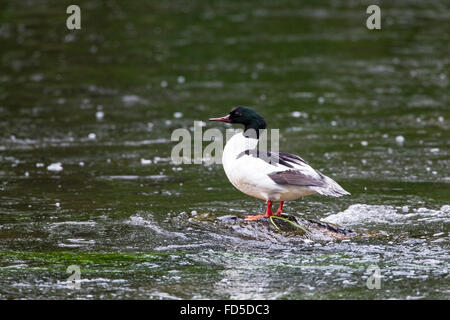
(289, 169)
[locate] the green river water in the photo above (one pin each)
(368, 108)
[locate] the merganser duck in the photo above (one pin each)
(266, 175)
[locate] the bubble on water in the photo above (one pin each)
(260, 65)
(441, 119)
(85, 103)
(364, 143)
(298, 114)
(434, 150)
(39, 165)
(178, 115)
(146, 161)
(70, 37)
(321, 100)
(405, 209)
(385, 135)
(132, 99)
(163, 84)
(81, 164)
(37, 77)
(157, 159)
(400, 140)
(181, 79)
(92, 136)
(27, 174)
(55, 167)
(58, 204)
(168, 122)
(333, 123)
(99, 115)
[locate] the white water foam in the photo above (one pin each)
(358, 214)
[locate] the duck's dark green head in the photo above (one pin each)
(244, 115)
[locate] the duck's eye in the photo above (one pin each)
(235, 112)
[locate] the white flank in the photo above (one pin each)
(250, 174)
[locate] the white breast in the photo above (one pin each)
(250, 174)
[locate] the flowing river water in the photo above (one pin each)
(86, 176)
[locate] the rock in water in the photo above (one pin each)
(284, 228)
(287, 226)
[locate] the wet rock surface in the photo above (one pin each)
(286, 226)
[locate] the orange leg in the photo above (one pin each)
(280, 208)
(268, 213)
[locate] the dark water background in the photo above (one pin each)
(341, 95)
